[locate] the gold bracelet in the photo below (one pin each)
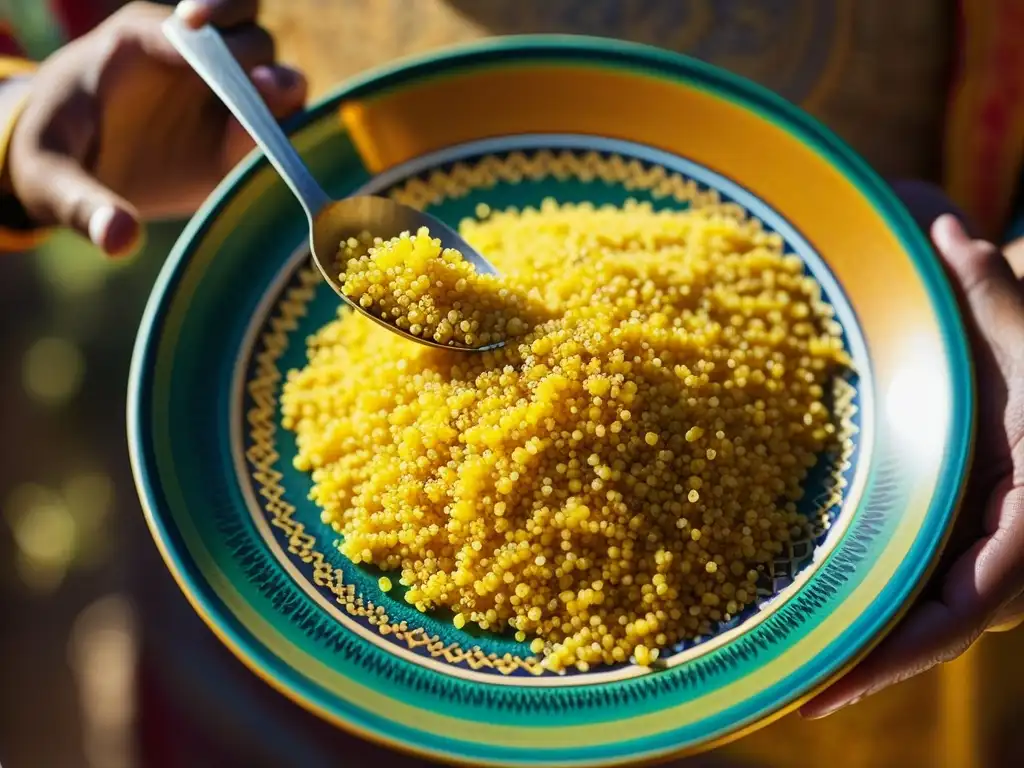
(15, 239)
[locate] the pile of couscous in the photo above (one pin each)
(411, 282)
(610, 481)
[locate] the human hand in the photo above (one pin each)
(982, 588)
(118, 128)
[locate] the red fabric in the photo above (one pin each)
(155, 725)
(76, 17)
(985, 130)
(8, 45)
(999, 137)
(73, 17)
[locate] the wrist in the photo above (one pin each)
(14, 93)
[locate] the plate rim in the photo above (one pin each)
(614, 54)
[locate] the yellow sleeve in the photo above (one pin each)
(14, 240)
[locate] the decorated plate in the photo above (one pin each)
(510, 123)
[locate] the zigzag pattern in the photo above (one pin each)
(461, 178)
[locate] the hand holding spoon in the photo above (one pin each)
(331, 222)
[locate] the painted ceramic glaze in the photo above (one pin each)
(509, 123)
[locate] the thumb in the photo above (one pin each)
(69, 196)
(989, 287)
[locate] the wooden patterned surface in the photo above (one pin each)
(874, 70)
(879, 80)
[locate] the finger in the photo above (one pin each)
(284, 90)
(74, 199)
(141, 25)
(220, 13)
(982, 581)
(251, 45)
(991, 573)
(927, 636)
(989, 287)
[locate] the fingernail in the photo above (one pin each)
(949, 233)
(193, 12)
(289, 78)
(113, 230)
(99, 223)
(279, 76)
(830, 712)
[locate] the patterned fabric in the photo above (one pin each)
(874, 70)
(985, 133)
(8, 45)
(41, 26)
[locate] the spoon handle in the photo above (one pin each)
(206, 52)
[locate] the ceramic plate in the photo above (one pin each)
(509, 123)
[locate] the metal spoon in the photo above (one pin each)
(330, 221)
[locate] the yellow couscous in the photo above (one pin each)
(608, 483)
(411, 282)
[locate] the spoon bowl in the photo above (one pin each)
(339, 220)
(330, 221)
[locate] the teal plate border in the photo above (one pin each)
(153, 442)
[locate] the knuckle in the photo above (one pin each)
(983, 251)
(117, 35)
(72, 210)
(127, 12)
(130, 18)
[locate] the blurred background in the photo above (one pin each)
(103, 664)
